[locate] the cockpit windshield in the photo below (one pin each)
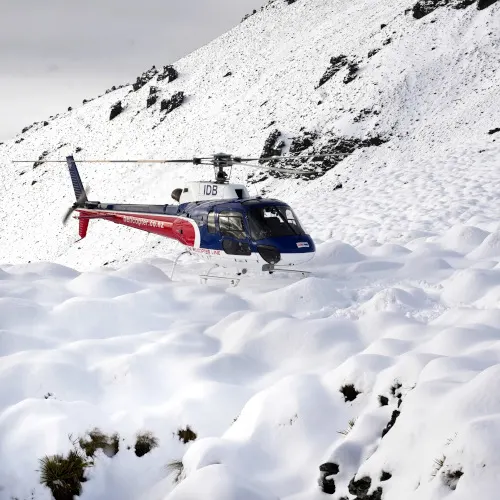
(271, 221)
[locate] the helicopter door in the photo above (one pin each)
(232, 229)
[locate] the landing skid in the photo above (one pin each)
(270, 268)
(204, 278)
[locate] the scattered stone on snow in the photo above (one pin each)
(326, 482)
(392, 421)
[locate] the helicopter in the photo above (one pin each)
(215, 220)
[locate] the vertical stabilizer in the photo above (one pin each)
(75, 179)
(83, 225)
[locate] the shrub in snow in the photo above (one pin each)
(450, 478)
(168, 105)
(350, 425)
(64, 475)
(326, 482)
(336, 64)
(186, 435)
(116, 109)
(97, 440)
(176, 467)
(169, 73)
(144, 443)
(349, 392)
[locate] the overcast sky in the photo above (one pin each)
(55, 53)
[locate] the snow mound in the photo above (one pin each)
(102, 285)
(490, 247)
(469, 285)
(336, 252)
(142, 273)
(462, 238)
(305, 296)
(221, 483)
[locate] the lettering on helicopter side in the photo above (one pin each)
(210, 190)
(302, 244)
(143, 222)
(207, 251)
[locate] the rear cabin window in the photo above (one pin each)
(231, 224)
(211, 222)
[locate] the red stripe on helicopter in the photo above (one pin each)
(178, 228)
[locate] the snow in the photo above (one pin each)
(402, 303)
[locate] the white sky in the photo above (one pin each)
(55, 53)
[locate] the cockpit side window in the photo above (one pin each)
(211, 222)
(231, 224)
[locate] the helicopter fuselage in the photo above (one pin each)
(245, 233)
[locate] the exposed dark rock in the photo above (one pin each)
(462, 4)
(168, 73)
(385, 476)
(289, 2)
(425, 7)
(493, 131)
(25, 129)
(271, 123)
(45, 123)
(373, 52)
(364, 113)
(153, 96)
(382, 26)
(33, 182)
(353, 68)
(246, 16)
(116, 109)
(271, 145)
(349, 392)
(320, 102)
(229, 73)
(168, 105)
(330, 468)
(186, 435)
(336, 148)
(360, 487)
(144, 78)
(392, 421)
(22, 173)
(78, 149)
(70, 109)
(20, 140)
(326, 482)
(387, 42)
(300, 144)
(337, 186)
(483, 4)
(383, 400)
(336, 64)
(151, 100)
(40, 159)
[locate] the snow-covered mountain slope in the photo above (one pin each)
(377, 377)
(430, 91)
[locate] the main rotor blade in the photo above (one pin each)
(268, 158)
(278, 169)
(113, 161)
